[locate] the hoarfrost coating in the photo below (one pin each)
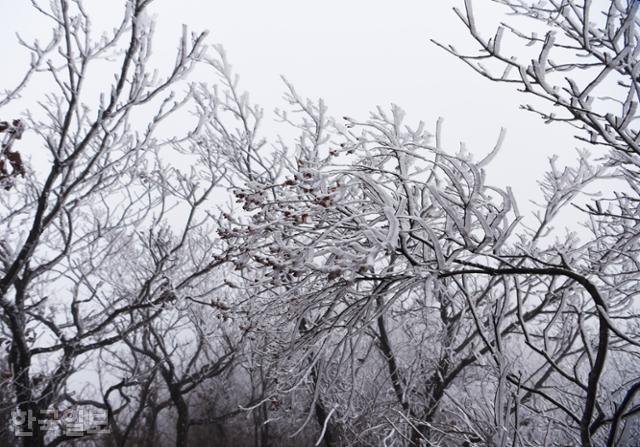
(187, 267)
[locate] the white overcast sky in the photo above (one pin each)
(355, 54)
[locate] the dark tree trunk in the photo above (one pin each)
(182, 421)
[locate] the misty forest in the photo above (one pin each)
(174, 273)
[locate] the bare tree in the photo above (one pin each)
(597, 44)
(373, 230)
(90, 254)
(364, 284)
(163, 363)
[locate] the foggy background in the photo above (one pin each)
(355, 55)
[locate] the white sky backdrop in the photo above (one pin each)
(355, 54)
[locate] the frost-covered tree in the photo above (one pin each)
(109, 240)
(418, 307)
(358, 284)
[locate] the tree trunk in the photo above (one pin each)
(182, 408)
